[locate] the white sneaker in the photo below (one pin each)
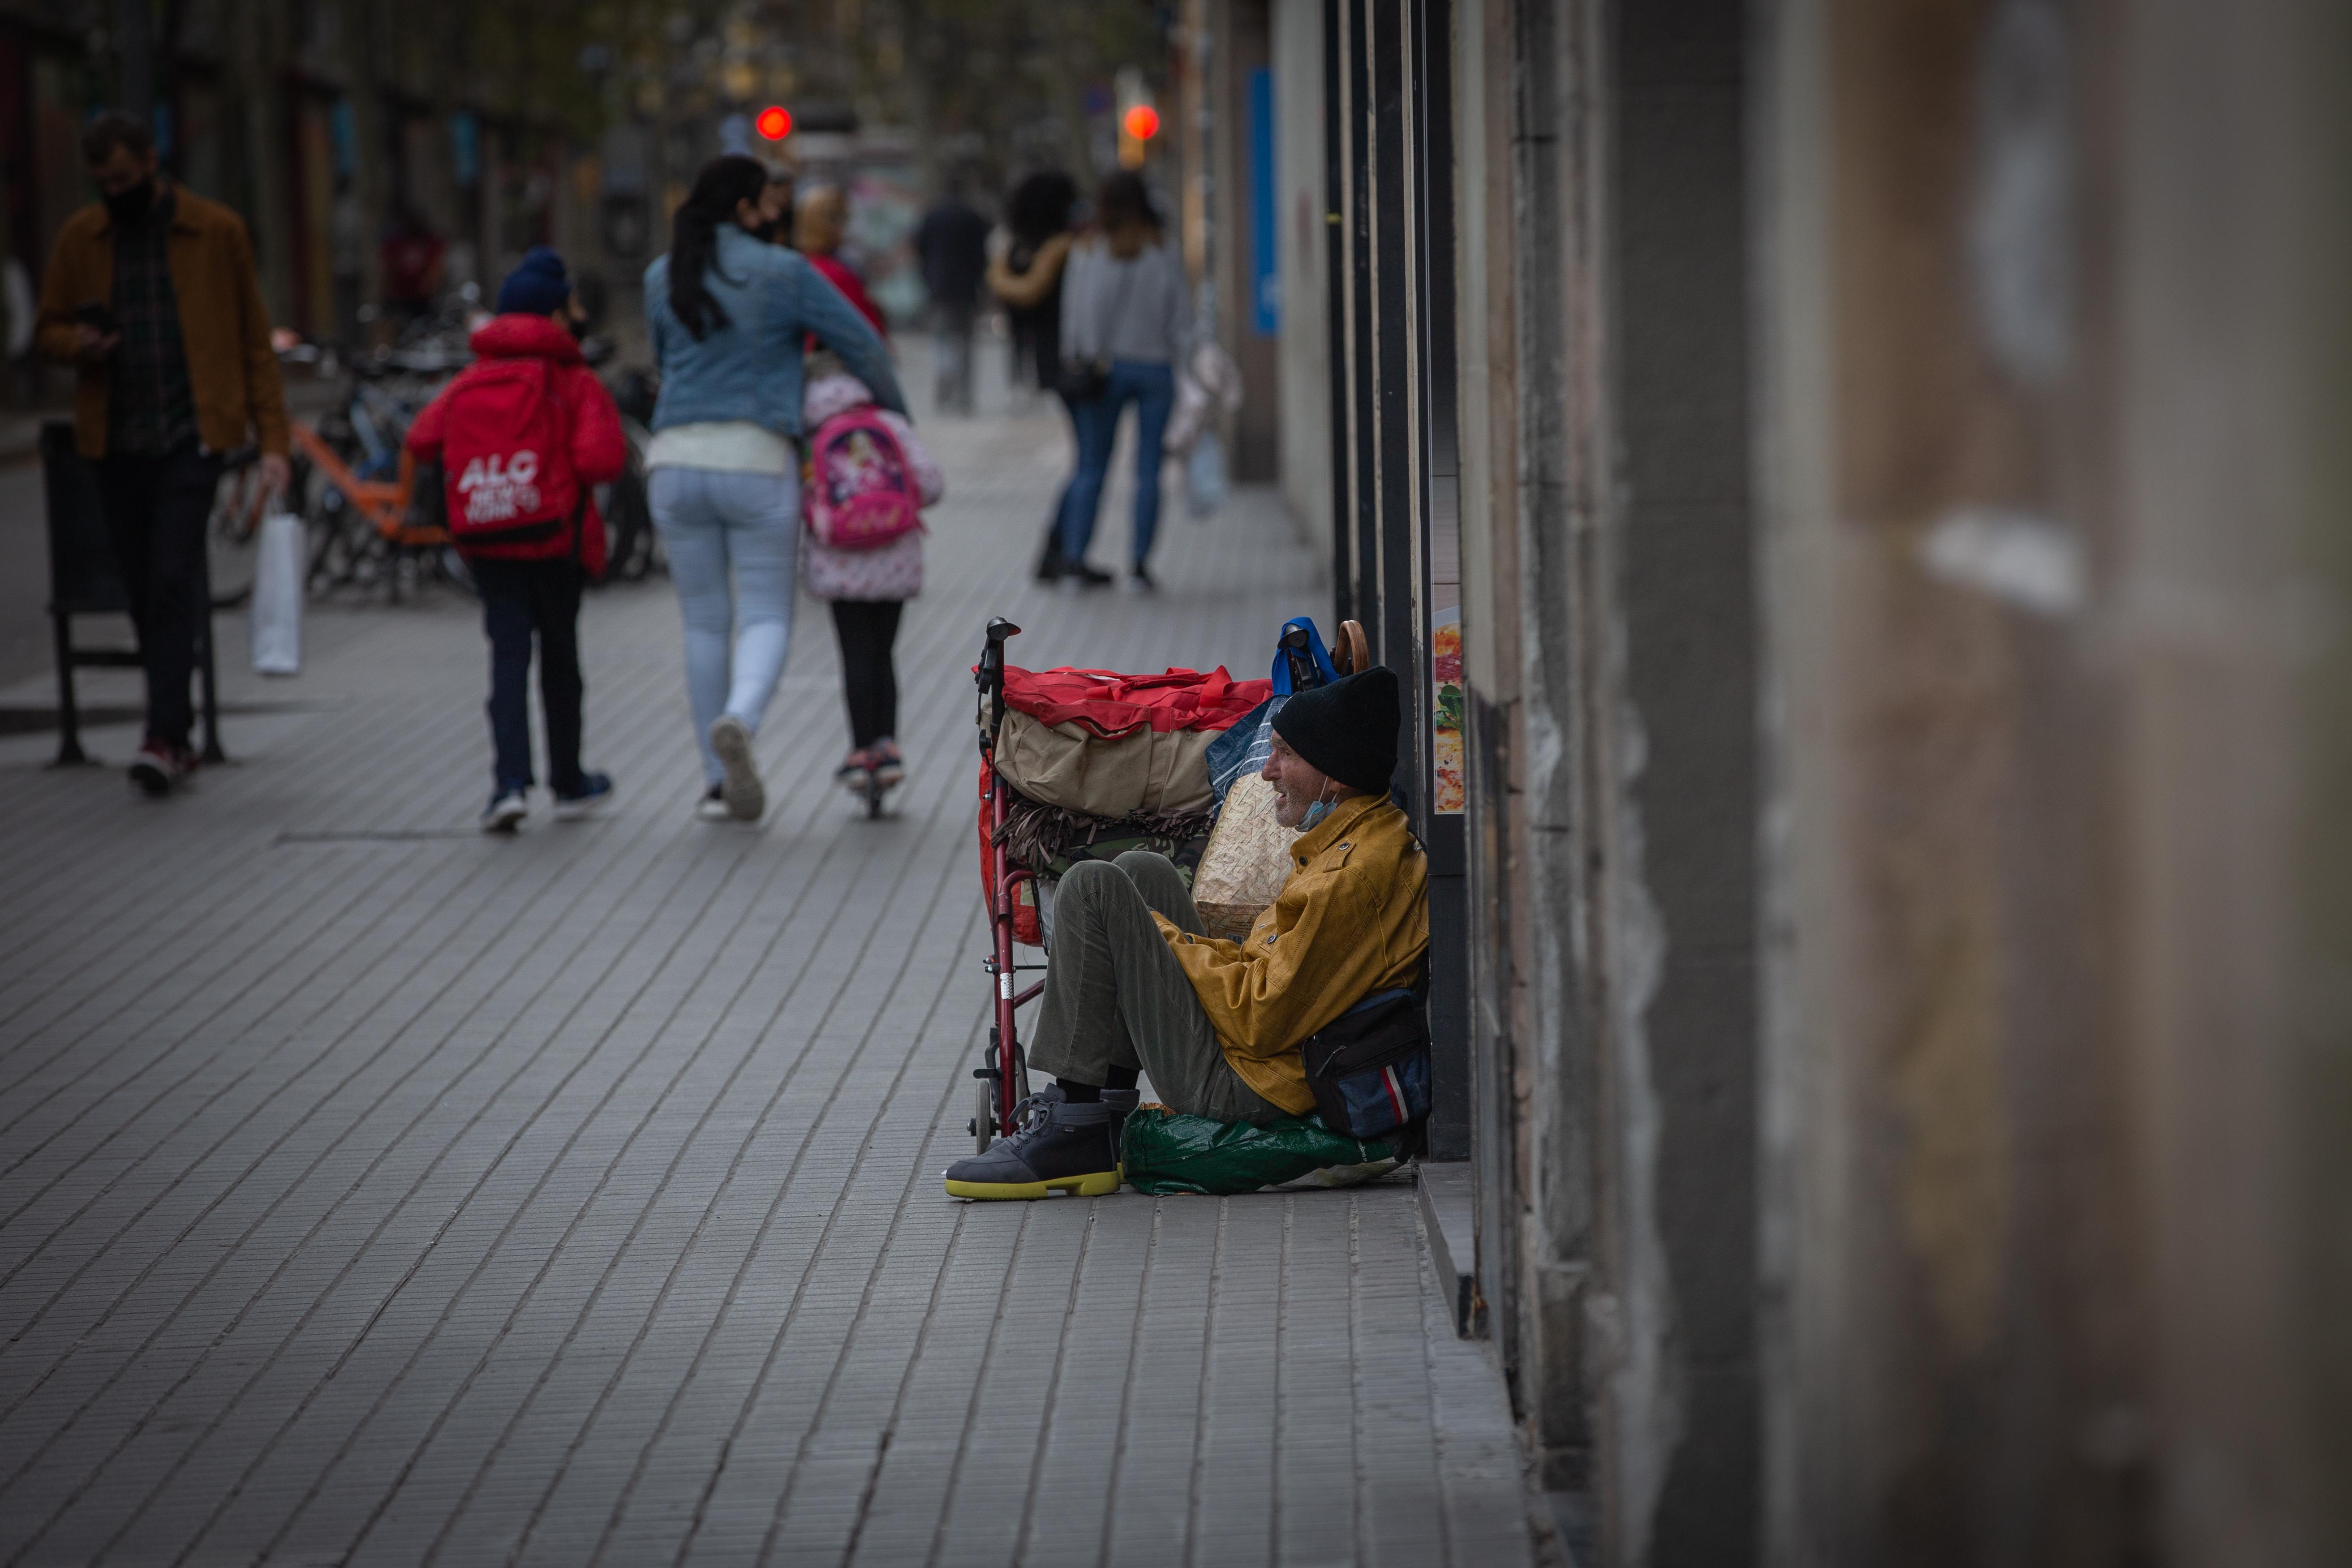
(712, 807)
(746, 796)
(506, 810)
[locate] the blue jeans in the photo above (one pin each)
(716, 526)
(1152, 389)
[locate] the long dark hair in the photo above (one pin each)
(1039, 207)
(1125, 199)
(693, 236)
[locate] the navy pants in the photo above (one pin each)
(156, 509)
(520, 599)
(1152, 389)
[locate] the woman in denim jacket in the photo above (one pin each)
(727, 309)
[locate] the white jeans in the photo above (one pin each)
(712, 522)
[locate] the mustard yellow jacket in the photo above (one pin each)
(224, 327)
(1352, 918)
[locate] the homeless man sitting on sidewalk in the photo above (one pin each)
(1133, 985)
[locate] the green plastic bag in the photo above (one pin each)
(1167, 1152)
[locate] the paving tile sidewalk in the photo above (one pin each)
(370, 1191)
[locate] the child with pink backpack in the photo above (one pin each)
(867, 479)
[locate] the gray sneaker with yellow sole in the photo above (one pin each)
(1066, 1147)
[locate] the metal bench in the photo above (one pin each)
(83, 582)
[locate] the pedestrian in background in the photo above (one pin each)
(522, 434)
(820, 225)
(951, 243)
(726, 311)
(868, 588)
(1027, 279)
(415, 262)
(150, 295)
(1126, 317)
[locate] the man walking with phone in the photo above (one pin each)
(150, 295)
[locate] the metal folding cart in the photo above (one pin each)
(1003, 1071)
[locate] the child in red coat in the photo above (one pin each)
(524, 522)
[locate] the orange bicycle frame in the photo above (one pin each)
(383, 503)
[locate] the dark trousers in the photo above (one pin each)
(156, 509)
(952, 352)
(1115, 996)
(519, 598)
(869, 680)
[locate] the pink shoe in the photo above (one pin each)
(855, 773)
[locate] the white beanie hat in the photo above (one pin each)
(837, 391)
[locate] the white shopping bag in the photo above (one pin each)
(275, 620)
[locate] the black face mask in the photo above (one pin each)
(132, 206)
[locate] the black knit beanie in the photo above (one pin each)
(1347, 729)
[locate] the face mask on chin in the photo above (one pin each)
(132, 206)
(1314, 814)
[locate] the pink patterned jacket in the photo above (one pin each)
(895, 571)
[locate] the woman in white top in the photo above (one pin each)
(1125, 318)
(728, 310)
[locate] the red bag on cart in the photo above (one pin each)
(1111, 705)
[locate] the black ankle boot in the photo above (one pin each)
(1072, 1147)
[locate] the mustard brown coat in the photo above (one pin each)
(224, 326)
(1352, 918)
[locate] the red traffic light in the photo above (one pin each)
(1142, 123)
(774, 123)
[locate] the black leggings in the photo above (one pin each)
(868, 679)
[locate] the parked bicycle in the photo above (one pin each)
(372, 525)
(633, 551)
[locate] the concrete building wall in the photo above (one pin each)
(1679, 1150)
(1903, 581)
(2054, 359)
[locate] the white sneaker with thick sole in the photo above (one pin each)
(712, 807)
(746, 796)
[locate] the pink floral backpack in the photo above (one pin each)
(861, 491)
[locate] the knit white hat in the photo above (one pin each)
(826, 395)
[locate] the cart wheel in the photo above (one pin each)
(983, 1125)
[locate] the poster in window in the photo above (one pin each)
(1445, 679)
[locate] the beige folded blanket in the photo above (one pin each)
(1144, 773)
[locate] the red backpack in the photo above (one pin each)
(861, 491)
(507, 458)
